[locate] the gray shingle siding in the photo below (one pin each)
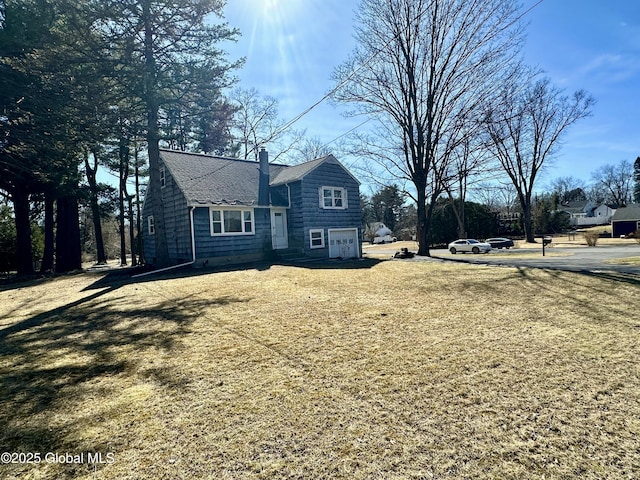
(295, 217)
(208, 246)
(177, 223)
(315, 217)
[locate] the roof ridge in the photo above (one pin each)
(220, 157)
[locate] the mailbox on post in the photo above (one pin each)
(546, 240)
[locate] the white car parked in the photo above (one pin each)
(465, 245)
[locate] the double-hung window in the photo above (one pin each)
(151, 226)
(316, 238)
(333, 198)
(231, 222)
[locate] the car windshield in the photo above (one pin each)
(473, 241)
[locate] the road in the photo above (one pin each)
(572, 259)
(578, 259)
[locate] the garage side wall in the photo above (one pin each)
(329, 174)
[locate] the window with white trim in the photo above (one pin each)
(151, 227)
(333, 198)
(316, 238)
(163, 177)
(231, 221)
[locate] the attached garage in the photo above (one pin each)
(343, 243)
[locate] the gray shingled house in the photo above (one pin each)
(225, 210)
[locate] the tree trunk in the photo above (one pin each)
(24, 252)
(68, 252)
(153, 144)
(121, 216)
(47, 257)
(422, 225)
(101, 257)
(527, 223)
(458, 211)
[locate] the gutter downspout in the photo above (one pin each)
(193, 250)
(193, 235)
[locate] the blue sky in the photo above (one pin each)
(292, 46)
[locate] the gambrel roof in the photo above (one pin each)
(211, 180)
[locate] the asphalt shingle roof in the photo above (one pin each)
(209, 180)
(295, 172)
(628, 213)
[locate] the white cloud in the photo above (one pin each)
(612, 67)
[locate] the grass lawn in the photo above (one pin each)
(356, 370)
(626, 261)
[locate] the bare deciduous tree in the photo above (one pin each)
(256, 120)
(525, 129)
(614, 182)
(256, 124)
(568, 189)
(421, 69)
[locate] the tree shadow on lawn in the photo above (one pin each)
(55, 359)
(599, 302)
(572, 287)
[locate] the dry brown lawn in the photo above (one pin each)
(626, 261)
(355, 370)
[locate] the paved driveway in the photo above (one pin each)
(573, 259)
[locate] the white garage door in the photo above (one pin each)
(343, 243)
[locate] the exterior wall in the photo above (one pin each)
(589, 221)
(295, 218)
(279, 196)
(315, 217)
(228, 249)
(147, 240)
(177, 224)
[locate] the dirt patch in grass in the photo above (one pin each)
(387, 370)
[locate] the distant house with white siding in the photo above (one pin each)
(587, 214)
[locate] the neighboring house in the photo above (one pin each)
(378, 232)
(586, 214)
(603, 214)
(225, 210)
(580, 212)
(626, 220)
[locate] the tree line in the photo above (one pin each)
(95, 86)
(615, 185)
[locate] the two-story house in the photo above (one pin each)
(224, 210)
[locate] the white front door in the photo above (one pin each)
(343, 243)
(279, 236)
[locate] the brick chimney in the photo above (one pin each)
(263, 185)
